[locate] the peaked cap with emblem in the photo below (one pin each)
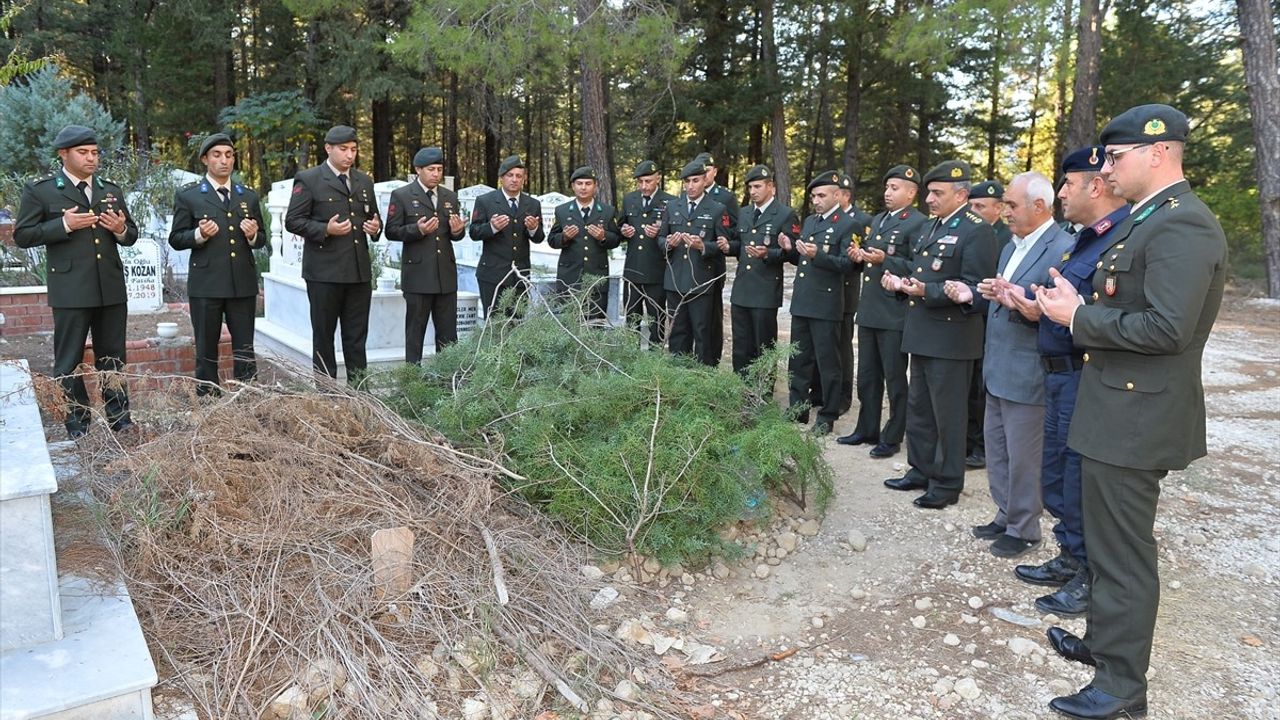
(646, 167)
(586, 172)
(949, 171)
(694, 168)
(74, 136)
(511, 163)
(214, 141)
(428, 156)
(826, 177)
(339, 134)
(903, 172)
(987, 189)
(1086, 159)
(759, 172)
(1146, 124)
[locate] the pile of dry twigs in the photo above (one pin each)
(244, 534)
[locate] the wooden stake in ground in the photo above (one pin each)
(392, 554)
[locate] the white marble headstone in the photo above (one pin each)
(143, 279)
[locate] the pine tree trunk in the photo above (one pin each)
(1082, 125)
(1263, 81)
(777, 115)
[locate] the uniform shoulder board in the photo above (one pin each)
(977, 219)
(42, 179)
(191, 184)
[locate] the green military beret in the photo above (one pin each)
(988, 189)
(647, 167)
(904, 172)
(511, 163)
(949, 171)
(428, 156)
(1146, 124)
(826, 177)
(339, 134)
(693, 168)
(214, 141)
(74, 136)
(706, 159)
(586, 172)
(846, 182)
(759, 172)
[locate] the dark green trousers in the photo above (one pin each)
(1119, 507)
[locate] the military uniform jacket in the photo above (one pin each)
(1141, 401)
(427, 263)
(725, 197)
(317, 196)
(223, 265)
(818, 292)
(583, 255)
(84, 267)
(853, 278)
(758, 283)
(961, 248)
(510, 246)
(894, 233)
(691, 272)
(646, 260)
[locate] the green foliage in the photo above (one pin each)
(631, 449)
(278, 121)
(34, 110)
(15, 64)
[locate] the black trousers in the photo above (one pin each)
(439, 308)
(716, 341)
(977, 407)
(332, 303)
(691, 326)
(816, 341)
(492, 293)
(647, 301)
(847, 329)
(881, 365)
(595, 304)
(71, 327)
(207, 317)
(937, 399)
(754, 331)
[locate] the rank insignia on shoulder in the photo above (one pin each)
(1066, 256)
(1173, 203)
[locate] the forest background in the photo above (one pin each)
(858, 85)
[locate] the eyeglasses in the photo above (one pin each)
(1111, 155)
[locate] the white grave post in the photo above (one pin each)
(142, 281)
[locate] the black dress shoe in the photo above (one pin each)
(1069, 646)
(884, 450)
(1093, 704)
(935, 501)
(1008, 546)
(1057, 571)
(1070, 601)
(856, 438)
(905, 483)
(976, 460)
(990, 531)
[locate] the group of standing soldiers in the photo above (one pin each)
(1092, 341)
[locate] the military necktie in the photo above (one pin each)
(647, 199)
(345, 186)
(585, 211)
(755, 217)
(83, 187)
(515, 207)
(431, 199)
(693, 206)
(226, 197)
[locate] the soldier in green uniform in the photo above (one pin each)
(1140, 408)
(943, 338)
(646, 261)
(987, 200)
(424, 216)
(505, 222)
(220, 222)
(334, 210)
(584, 232)
(80, 219)
(690, 230)
(725, 197)
(881, 363)
(757, 287)
(817, 298)
(852, 283)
